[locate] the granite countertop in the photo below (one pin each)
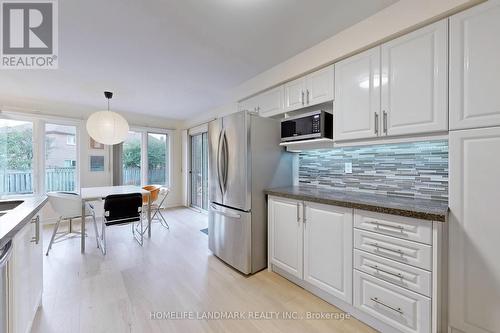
(18, 217)
(423, 209)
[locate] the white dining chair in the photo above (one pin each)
(157, 206)
(68, 206)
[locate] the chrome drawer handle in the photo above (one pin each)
(399, 275)
(379, 247)
(378, 225)
(398, 310)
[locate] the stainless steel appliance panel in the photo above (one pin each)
(214, 167)
(235, 160)
(230, 236)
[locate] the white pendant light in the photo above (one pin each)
(107, 127)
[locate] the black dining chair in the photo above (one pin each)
(121, 209)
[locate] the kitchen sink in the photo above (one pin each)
(6, 205)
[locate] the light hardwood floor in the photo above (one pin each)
(173, 272)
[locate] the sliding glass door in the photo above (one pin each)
(199, 171)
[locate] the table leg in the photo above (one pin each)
(83, 227)
(149, 216)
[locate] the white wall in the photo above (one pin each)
(393, 21)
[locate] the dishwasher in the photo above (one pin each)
(5, 254)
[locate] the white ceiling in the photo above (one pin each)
(174, 58)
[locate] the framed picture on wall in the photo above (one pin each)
(96, 163)
(95, 145)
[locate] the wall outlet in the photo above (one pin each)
(348, 167)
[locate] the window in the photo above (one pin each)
(131, 159)
(71, 140)
(60, 158)
(157, 159)
(145, 158)
(16, 157)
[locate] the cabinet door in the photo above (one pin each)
(286, 233)
(474, 267)
(270, 102)
(328, 249)
(250, 104)
(319, 86)
(357, 96)
(475, 67)
(21, 313)
(415, 81)
(295, 94)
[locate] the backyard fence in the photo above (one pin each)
(63, 179)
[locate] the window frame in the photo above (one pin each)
(68, 141)
(144, 131)
(38, 142)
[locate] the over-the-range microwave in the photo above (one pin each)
(307, 126)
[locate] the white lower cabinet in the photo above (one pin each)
(406, 276)
(286, 235)
(405, 310)
(313, 242)
(328, 249)
(25, 277)
(384, 269)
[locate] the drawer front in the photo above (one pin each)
(406, 276)
(396, 226)
(404, 310)
(411, 253)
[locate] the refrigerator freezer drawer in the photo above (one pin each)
(230, 236)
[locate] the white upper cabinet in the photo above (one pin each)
(268, 103)
(415, 82)
(328, 249)
(357, 96)
(475, 67)
(319, 86)
(474, 229)
(309, 90)
(250, 104)
(295, 94)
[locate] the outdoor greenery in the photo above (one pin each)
(156, 153)
(16, 149)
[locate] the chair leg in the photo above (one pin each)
(95, 229)
(53, 236)
(142, 231)
(101, 240)
(165, 223)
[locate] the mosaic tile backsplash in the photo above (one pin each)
(417, 169)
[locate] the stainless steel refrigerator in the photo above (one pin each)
(244, 159)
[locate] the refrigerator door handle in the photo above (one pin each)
(219, 171)
(226, 160)
(231, 215)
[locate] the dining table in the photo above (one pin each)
(89, 194)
